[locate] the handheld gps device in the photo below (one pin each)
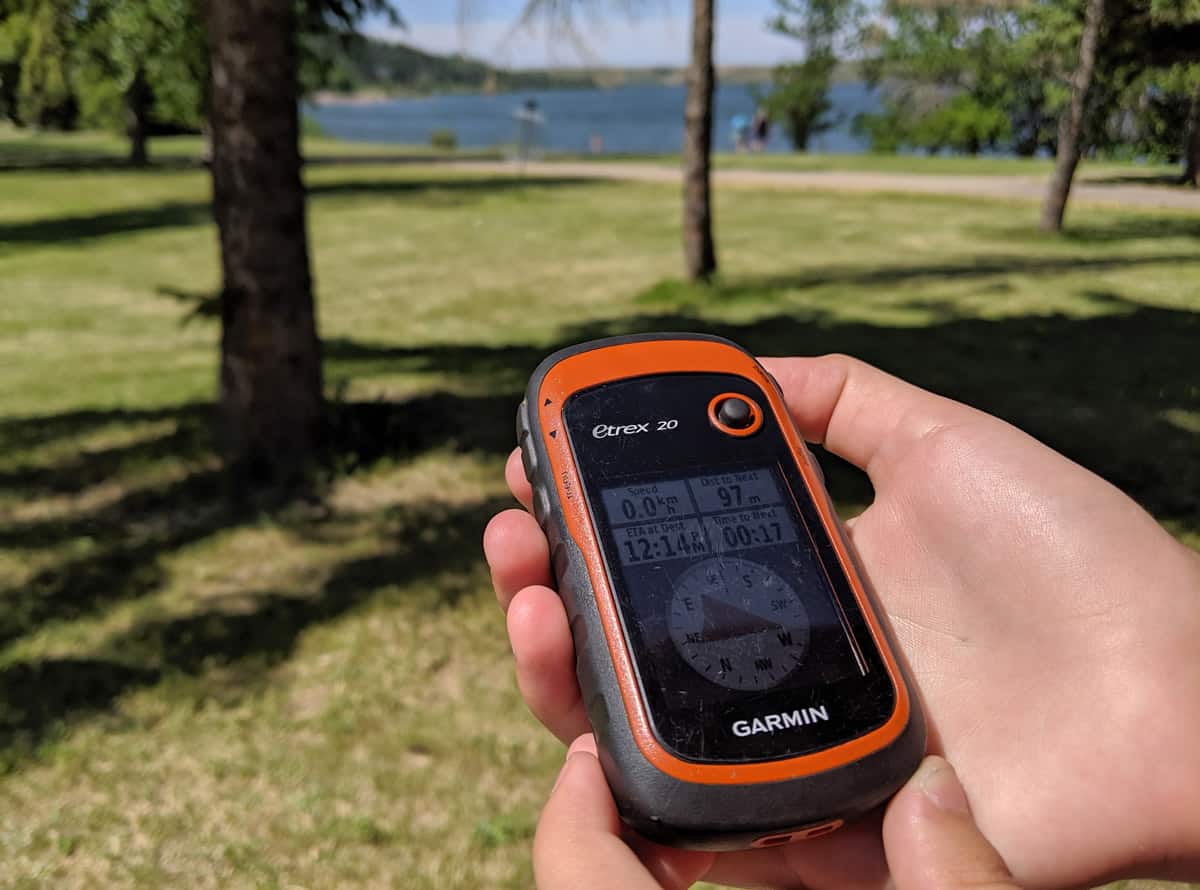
(741, 685)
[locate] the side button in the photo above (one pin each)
(522, 424)
(597, 712)
(816, 464)
(528, 461)
(579, 638)
(541, 505)
(559, 561)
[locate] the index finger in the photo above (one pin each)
(514, 475)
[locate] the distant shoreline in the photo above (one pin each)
(375, 95)
(358, 97)
(555, 80)
(374, 70)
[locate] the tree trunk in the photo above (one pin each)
(1191, 149)
(700, 255)
(1071, 124)
(138, 99)
(271, 405)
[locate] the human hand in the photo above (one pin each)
(582, 844)
(931, 841)
(1049, 622)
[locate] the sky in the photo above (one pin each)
(657, 36)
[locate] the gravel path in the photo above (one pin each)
(1002, 187)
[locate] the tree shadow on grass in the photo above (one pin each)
(78, 228)
(1108, 390)
(758, 287)
(202, 305)
(188, 436)
(66, 161)
(1105, 390)
(37, 696)
(117, 549)
(1133, 227)
(466, 186)
(18, 434)
(1159, 179)
(123, 546)
(1111, 390)
(442, 190)
(120, 551)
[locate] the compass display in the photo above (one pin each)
(738, 623)
(717, 568)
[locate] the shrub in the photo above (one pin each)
(444, 140)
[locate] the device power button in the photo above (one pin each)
(735, 413)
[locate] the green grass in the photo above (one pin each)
(25, 149)
(322, 696)
(888, 163)
(962, 165)
(936, 165)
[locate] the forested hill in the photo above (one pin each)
(369, 65)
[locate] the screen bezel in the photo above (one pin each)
(619, 715)
(865, 702)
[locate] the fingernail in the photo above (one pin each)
(562, 772)
(585, 743)
(940, 784)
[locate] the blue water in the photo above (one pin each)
(631, 119)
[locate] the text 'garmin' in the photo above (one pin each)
(776, 722)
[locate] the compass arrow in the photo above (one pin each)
(723, 621)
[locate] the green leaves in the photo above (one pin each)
(44, 94)
(959, 79)
(99, 62)
(127, 48)
(798, 99)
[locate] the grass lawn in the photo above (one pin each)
(23, 149)
(323, 697)
(938, 165)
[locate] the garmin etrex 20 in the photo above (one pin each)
(741, 684)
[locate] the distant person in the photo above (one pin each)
(760, 130)
(741, 132)
(596, 144)
(530, 130)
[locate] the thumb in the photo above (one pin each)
(861, 413)
(578, 845)
(931, 840)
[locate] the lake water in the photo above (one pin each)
(631, 119)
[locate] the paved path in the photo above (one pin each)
(1003, 186)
